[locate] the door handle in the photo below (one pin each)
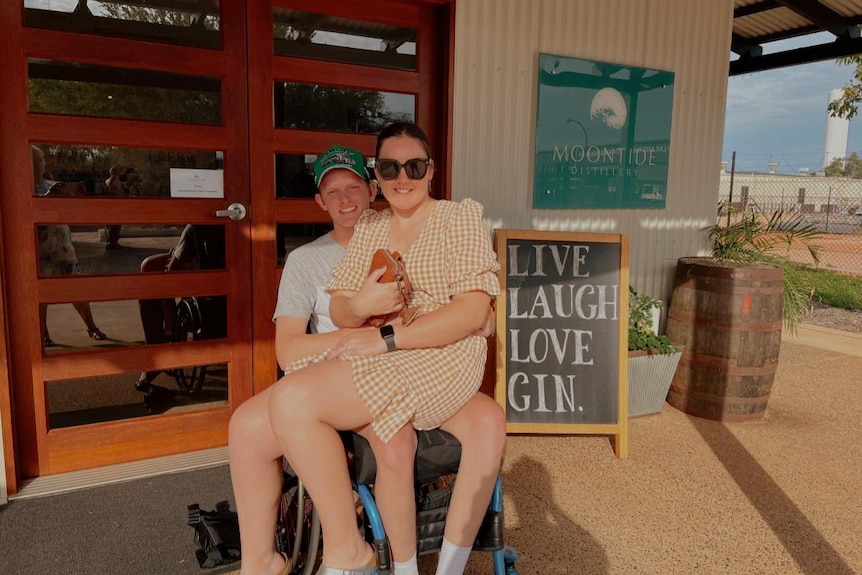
(235, 211)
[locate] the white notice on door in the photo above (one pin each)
(186, 183)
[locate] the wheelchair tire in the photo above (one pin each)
(187, 327)
(297, 527)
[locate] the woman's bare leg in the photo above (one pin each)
(394, 489)
(256, 475)
(86, 313)
(480, 426)
(305, 409)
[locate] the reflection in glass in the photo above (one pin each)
(291, 236)
(105, 92)
(293, 175)
(316, 107)
(87, 249)
(112, 171)
(114, 397)
(156, 249)
(190, 23)
(322, 37)
(131, 323)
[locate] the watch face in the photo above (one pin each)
(387, 332)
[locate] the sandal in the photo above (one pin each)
(369, 569)
(366, 570)
(49, 342)
(287, 566)
(96, 334)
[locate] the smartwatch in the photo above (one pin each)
(387, 332)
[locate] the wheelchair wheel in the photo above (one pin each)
(187, 327)
(297, 527)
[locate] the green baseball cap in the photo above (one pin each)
(339, 158)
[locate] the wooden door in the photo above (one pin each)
(144, 117)
(319, 79)
(172, 97)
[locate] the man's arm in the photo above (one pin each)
(292, 341)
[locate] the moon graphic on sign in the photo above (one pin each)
(610, 106)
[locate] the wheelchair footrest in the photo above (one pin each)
(433, 507)
(490, 536)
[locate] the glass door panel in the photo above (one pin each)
(134, 292)
(191, 23)
(134, 105)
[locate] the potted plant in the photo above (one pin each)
(653, 359)
(728, 310)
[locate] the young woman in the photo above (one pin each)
(422, 375)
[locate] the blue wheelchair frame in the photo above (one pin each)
(504, 557)
(438, 457)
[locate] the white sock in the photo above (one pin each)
(409, 567)
(453, 559)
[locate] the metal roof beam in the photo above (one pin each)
(823, 16)
(745, 47)
(831, 51)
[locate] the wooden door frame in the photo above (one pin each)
(28, 448)
(432, 82)
(17, 126)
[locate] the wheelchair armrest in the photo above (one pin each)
(437, 453)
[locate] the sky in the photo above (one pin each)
(780, 115)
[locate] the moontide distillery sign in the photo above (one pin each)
(602, 135)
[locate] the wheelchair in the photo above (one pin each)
(298, 534)
(196, 318)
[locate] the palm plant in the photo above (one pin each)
(752, 238)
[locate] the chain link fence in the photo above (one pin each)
(831, 205)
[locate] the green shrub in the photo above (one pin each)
(641, 334)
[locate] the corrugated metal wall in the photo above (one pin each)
(497, 45)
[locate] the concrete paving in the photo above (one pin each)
(778, 496)
(775, 497)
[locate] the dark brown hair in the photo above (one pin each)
(408, 129)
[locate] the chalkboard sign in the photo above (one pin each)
(562, 351)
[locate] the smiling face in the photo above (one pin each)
(345, 196)
(403, 193)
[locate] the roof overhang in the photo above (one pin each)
(758, 22)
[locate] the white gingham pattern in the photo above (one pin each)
(452, 255)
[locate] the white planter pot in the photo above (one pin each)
(650, 376)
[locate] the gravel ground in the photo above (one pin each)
(835, 318)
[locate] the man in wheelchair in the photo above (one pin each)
(165, 320)
(255, 454)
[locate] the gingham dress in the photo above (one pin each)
(452, 255)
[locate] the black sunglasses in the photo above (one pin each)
(415, 168)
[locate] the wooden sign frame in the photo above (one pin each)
(575, 250)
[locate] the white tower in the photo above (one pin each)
(835, 143)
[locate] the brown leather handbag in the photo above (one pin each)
(395, 272)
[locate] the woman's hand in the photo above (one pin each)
(489, 326)
(361, 342)
(375, 298)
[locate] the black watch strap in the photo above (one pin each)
(387, 332)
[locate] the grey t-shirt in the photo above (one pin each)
(305, 273)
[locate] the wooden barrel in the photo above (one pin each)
(728, 317)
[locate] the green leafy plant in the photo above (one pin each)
(642, 337)
(754, 238)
